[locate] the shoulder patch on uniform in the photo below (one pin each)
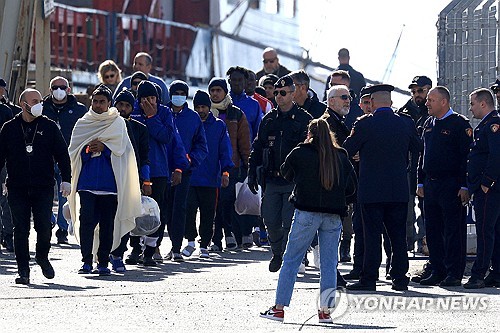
(494, 127)
(468, 131)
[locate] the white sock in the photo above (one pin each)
(191, 244)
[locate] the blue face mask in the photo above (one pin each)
(178, 100)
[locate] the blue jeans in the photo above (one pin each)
(303, 229)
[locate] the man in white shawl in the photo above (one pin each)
(106, 177)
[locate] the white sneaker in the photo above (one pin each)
(315, 252)
(302, 268)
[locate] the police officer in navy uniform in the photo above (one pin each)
(483, 173)
(383, 140)
(442, 184)
(280, 131)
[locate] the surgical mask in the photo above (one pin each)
(35, 110)
(178, 100)
(59, 94)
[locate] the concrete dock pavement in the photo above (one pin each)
(224, 293)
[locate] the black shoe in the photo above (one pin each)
(8, 242)
(345, 249)
(340, 281)
(432, 280)
(399, 286)
(47, 269)
(352, 275)
(361, 286)
(450, 281)
(62, 236)
(491, 281)
(147, 261)
(474, 283)
(275, 263)
(422, 274)
(132, 259)
(22, 279)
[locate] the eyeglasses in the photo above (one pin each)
(109, 76)
(281, 92)
(419, 91)
(59, 87)
(135, 83)
(269, 60)
(343, 97)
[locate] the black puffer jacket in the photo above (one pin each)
(302, 167)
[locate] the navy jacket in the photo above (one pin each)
(383, 140)
(64, 115)
(97, 172)
(483, 167)
(446, 145)
(139, 137)
(313, 105)
(193, 137)
(219, 159)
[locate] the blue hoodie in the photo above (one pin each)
(192, 133)
(219, 159)
(252, 110)
(162, 131)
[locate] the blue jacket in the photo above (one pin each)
(219, 159)
(252, 110)
(192, 133)
(161, 130)
(97, 172)
(383, 140)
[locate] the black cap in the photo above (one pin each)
(104, 91)
(138, 75)
(268, 79)
(3, 83)
(125, 96)
(201, 98)
(496, 86)
(364, 91)
(218, 82)
(284, 81)
(146, 89)
(178, 85)
(420, 81)
(378, 87)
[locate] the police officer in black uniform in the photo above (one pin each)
(447, 136)
(280, 131)
(483, 173)
(383, 140)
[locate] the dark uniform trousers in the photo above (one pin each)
(487, 209)
(445, 226)
(392, 217)
(23, 202)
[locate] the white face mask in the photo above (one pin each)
(178, 100)
(35, 110)
(59, 94)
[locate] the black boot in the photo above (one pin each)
(345, 251)
(62, 236)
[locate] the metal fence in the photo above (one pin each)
(82, 38)
(468, 48)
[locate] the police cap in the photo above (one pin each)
(496, 86)
(284, 81)
(378, 87)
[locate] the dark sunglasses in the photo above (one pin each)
(135, 83)
(343, 97)
(268, 60)
(280, 92)
(419, 91)
(59, 87)
(110, 76)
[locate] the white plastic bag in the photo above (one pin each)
(246, 202)
(67, 216)
(149, 221)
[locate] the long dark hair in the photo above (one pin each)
(322, 138)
